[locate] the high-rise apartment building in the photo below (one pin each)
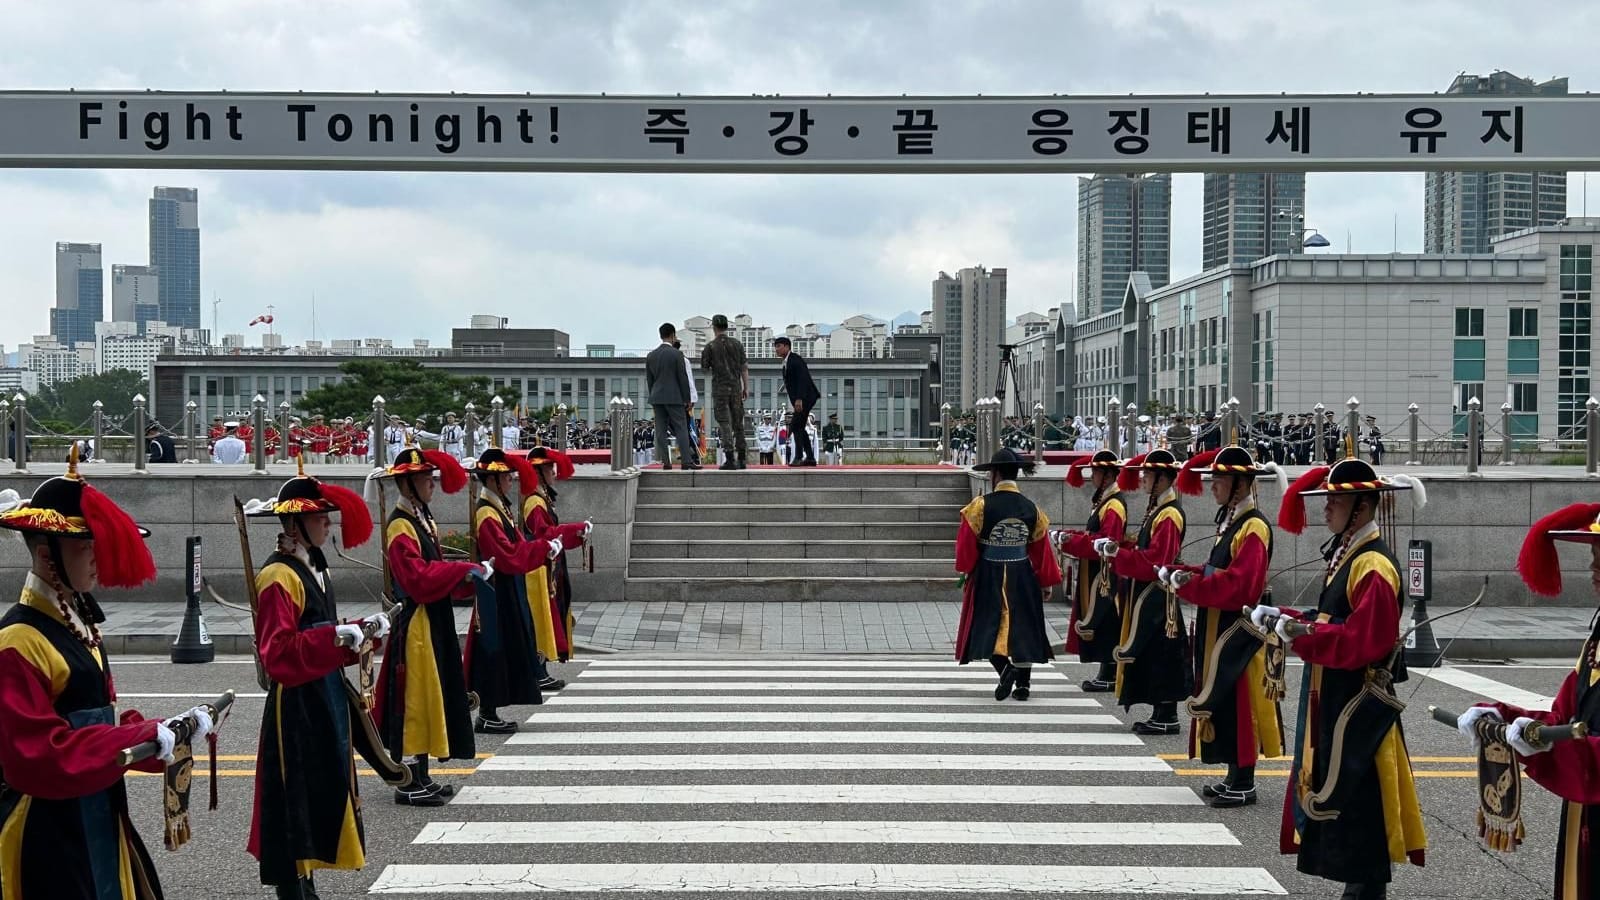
(1464, 211)
(175, 253)
(1124, 226)
(135, 295)
(1250, 215)
(969, 310)
(80, 293)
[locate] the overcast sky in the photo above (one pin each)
(607, 257)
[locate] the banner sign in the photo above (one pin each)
(798, 134)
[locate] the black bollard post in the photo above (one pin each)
(194, 643)
(1422, 649)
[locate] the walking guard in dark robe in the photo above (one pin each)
(65, 831)
(1153, 653)
(423, 708)
(1351, 808)
(1003, 553)
(1570, 769)
(1235, 720)
(1094, 624)
(307, 813)
(503, 655)
(550, 589)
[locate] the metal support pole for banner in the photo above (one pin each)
(1038, 433)
(1591, 435)
(1114, 426)
(98, 444)
(1505, 435)
(283, 431)
(141, 445)
(1474, 433)
(1319, 415)
(19, 431)
(258, 427)
(380, 438)
(1413, 425)
(497, 421)
(559, 427)
(469, 430)
(947, 453)
(1352, 426)
(190, 418)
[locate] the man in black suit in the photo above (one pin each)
(803, 395)
(160, 446)
(666, 378)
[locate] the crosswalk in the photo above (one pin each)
(824, 776)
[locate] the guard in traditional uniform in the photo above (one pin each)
(1234, 719)
(1153, 654)
(1351, 808)
(1095, 621)
(502, 654)
(64, 826)
(423, 709)
(550, 589)
(1569, 769)
(308, 808)
(1003, 552)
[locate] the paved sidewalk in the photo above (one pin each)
(1490, 633)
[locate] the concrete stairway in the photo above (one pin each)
(795, 534)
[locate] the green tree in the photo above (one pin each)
(73, 401)
(409, 389)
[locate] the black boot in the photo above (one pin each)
(1212, 790)
(294, 890)
(311, 888)
(551, 683)
(1104, 681)
(417, 793)
(999, 663)
(1358, 891)
(1008, 677)
(1238, 790)
(441, 790)
(1163, 720)
(489, 722)
(1024, 683)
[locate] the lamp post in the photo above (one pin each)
(1294, 217)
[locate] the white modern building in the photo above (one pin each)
(53, 361)
(969, 310)
(119, 345)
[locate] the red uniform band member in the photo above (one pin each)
(1095, 623)
(551, 598)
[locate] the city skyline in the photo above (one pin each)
(542, 248)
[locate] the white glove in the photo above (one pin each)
(555, 548)
(348, 635)
(1514, 737)
(382, 621)
(1469, 718)
(1178, 577)
(488, 569)
(588, 528)
(1282, 628)
(165, 740)
(1263, 612)
(1106, 547)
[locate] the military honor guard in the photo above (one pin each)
(1003, 554)
(307, 807)
(1094, 624)
(1235, 721)
(65, 830)
(1351, 809)
(423, 709)
(1153, 654)
(551, 596)
(502, 650)
(1568, 768)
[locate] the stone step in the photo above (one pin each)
(782, 476)
(718, 495)
(777, 590)
(715, 528)
(782, 511)
(792, 548)
(745, 567)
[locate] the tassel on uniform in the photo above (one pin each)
(1173, 629)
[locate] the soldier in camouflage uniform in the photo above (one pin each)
(724, 358)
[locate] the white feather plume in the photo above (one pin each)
(1278, 475)
(1419, 494)
(9, 500)
(369, 492)
(253, 507)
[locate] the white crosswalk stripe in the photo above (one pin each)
(872, 759)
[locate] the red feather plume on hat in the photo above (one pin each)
(1538, 563)
(1128, 478)
(527, 478)
(121, 558)
(355, 522)
(1189, 476)
(564, 466)
(451, 476)
(1292, 514)
(1075, 473)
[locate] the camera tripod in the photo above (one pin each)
(1008, 366)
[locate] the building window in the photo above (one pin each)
(1573, 338)
(1524, 322)
(1525, 397)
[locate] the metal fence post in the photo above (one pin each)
(559, 427)
(1114, 426)
(1319, 415)
(984, 437)
(1038, 433)
(190, 411)
(469, 430)
(946, 455)
(258, 428)
(380, 440)
(1231, 430)
(98, 417)
(628, 424)
(5, 423)
(283, 431)
(497, 421)
(1505, 435)
(1591, 435)
(1413, 424)
(19, 421)
(141, 446)
(614, 423)
(1352, 426)
(1474, 433)
(1130, 431)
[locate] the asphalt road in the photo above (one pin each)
(1120, 811)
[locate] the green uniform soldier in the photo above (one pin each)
(730, 383)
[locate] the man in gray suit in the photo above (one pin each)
(666, 377)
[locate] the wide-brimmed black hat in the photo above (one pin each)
(1003, 458)
(1348, 476)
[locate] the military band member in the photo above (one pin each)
(307, 807)
(1152, 656)
(1095, 622)
(832, 441)
(1351, 808)
(452, 437)
(1569, 769)
(1243, 723)
(550, 589)
(1003, 552)
(422, 708)
(65, 831)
